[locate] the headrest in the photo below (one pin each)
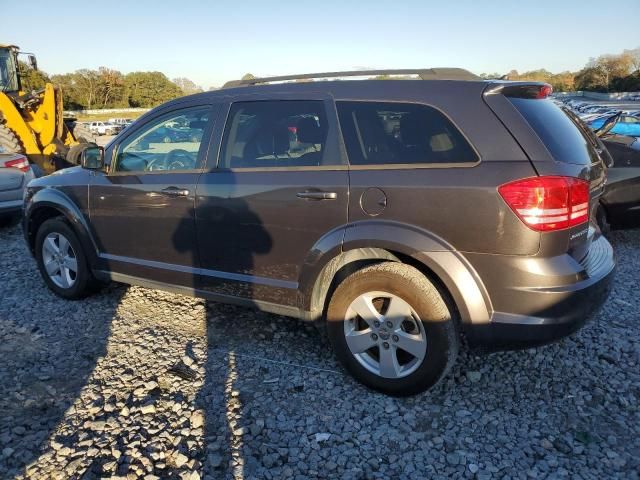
(281, 141)
(273, 142)
(412, 130)
(308, 131)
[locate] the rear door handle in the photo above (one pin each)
(175, 192)
(317, 195)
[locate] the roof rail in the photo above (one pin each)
(423, 73)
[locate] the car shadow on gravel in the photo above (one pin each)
(48, 350)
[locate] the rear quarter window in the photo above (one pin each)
(560, 134)
(378, 133)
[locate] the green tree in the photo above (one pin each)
(70, 96)
(148, 89)
(31, 79)
(590, 78)
(110, 90)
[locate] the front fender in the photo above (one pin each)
(380, 239)
(40, 205)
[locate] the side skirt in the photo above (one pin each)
(285, 310)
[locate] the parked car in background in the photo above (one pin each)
(165, 134)
(621, 200)
(588, 117)
(121, 121)
(626, 125)
(403, 213)
(101, 128)
(15, 173)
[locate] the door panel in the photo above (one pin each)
(257, 220)
(254, 231)
(142, 211)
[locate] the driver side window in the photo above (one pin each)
(168, 143)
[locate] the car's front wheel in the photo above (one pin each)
(391, 329)
(62, 261)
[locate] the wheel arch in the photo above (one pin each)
(48, 203)
(379, 241)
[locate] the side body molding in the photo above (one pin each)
(375, 240)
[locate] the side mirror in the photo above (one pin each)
(92, 158)
(33, 62)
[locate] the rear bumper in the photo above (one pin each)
(544, 314)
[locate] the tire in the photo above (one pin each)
(429, 322)
(82, 133)
(84, 282)
(9, 142)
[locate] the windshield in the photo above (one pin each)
(8, 74)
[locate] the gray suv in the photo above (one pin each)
(405, 214)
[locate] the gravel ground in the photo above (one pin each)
(135, 383)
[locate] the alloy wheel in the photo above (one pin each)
(59, 259)
(385, 334)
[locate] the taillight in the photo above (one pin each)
(549, 203)
(544, 91)
(21, 162)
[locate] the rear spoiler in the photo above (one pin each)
(534, 90)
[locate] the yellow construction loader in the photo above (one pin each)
(32, 122)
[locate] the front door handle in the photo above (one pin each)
(317, 195)
(175, 192)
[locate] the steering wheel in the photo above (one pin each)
(179, 159)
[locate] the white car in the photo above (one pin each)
(121, 121)
(103, 128)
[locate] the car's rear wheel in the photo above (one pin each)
(391, 329)
(62, 261)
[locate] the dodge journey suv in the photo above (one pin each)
(405, 214)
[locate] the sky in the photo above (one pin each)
(211, 42)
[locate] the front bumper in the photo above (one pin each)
(546, 314)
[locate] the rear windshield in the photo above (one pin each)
(560, 134)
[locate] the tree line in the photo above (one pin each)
(606, 73)
(108, 88)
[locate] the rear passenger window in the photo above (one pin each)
(268, 134)
(400, 133)
(559, 131)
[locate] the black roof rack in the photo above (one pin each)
(423, 73)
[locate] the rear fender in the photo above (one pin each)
(379, 240)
